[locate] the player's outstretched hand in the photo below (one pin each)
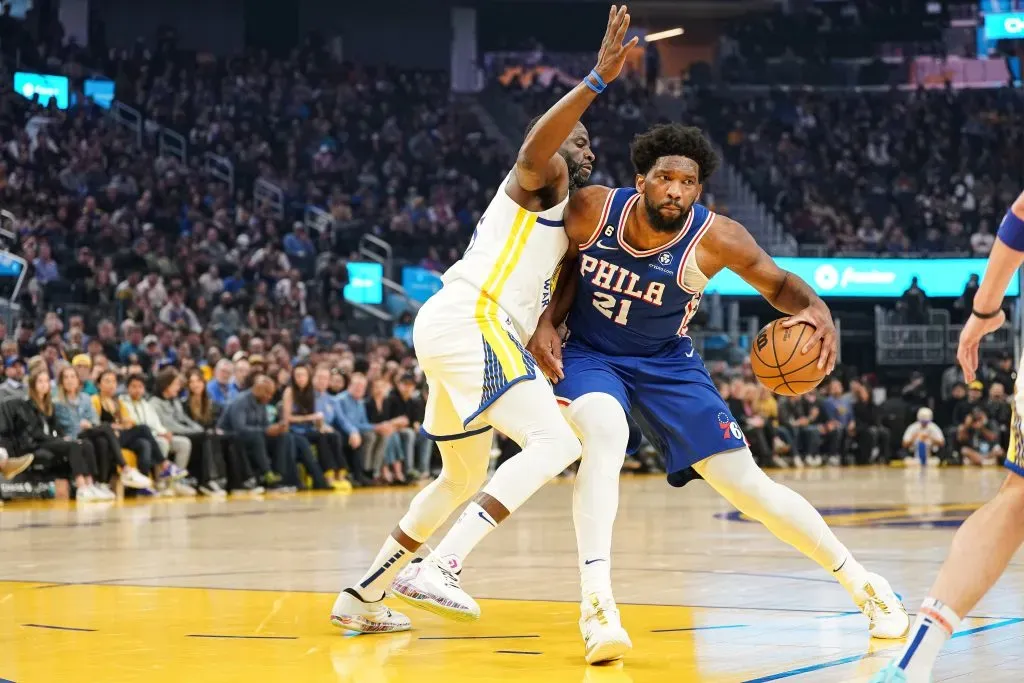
(970, 339)
(613, 51)
(820, 318)
(546, 347)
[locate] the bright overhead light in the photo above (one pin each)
(661, 35)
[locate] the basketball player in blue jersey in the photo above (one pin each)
(984, 545)
(638, 262)
(470, 341)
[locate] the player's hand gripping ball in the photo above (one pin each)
(777, 362)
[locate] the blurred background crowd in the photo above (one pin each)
(191, 242)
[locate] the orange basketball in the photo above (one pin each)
(777, 362)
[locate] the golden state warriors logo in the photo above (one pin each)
(896, 516)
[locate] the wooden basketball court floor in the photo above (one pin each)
(240, 590)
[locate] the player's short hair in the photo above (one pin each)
(673, 139)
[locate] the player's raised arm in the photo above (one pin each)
(988, 316)
(730, 246)
(538, 164)
(581, 216)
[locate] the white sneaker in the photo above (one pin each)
(87, 494)
(601, 626)
(134, 479)
(351, 613)
(435, 588)
(105, 491)
(180, 488)
(887, 617)
(212, 489)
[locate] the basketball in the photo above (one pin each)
(777, 362)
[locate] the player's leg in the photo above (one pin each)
(793, 520)
(600, 421)
(465, 459)
(684, 407)
(527, 413)
(982, 548)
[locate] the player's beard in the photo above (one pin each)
(576, 181)
(662, 224)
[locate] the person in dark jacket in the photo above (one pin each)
(246, 419)
(31, 425)
(866, 427)
(200, 407)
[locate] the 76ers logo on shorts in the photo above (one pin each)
(728, 426)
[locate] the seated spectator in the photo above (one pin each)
(944, 414)
(999, 412)
(1005, 373)
(299, 412)
(387, 421)
(865, 427)
(135, 437)
(31, 426)
(406, 404)
(336, 421)
(82, 364)
(976, 440)
(200, 408)
(78, 420)
(245, 420)
(352, 405)
(135, 404)
(975, 393)
(755, 427)
(923, 440)
(221, 389)
(838, 407)
(14, 386)
(208, 464)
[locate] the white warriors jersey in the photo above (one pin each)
(512, 259)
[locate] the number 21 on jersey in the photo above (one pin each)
(616, 310)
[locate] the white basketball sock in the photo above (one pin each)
(464, 470)
(936, 623)
(601, 424)
(389, 561)
(783, 511)
(471, 528)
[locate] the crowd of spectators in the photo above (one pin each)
(878, 173)
(857, 420)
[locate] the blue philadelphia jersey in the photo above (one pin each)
(631, 302)
(627, 338)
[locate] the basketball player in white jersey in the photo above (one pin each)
(470, 340)
(985, 544)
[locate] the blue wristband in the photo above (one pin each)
(1011, 231)
(595, 83)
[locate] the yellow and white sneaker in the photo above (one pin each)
(601, 626)
(887, 617)
(352, 613)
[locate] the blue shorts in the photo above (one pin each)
(672, 391)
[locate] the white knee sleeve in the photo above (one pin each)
(782, 510)
(464, 470)
(601, 424)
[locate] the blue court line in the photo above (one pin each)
(987, 627)
(699, 628)
(840, 615)
(856, 658)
